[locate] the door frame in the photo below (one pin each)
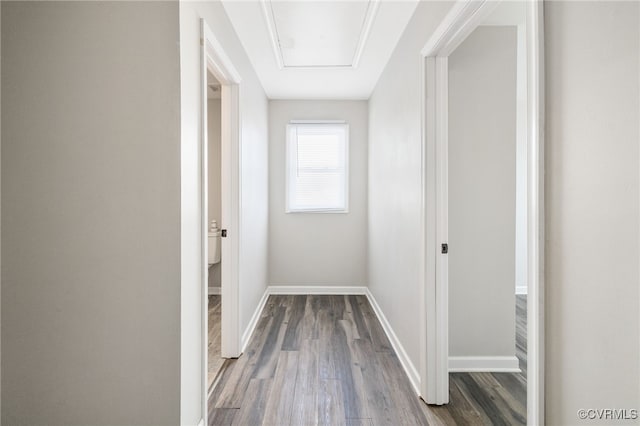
(463, 18)
(214, 58)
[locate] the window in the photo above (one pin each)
(317, 167)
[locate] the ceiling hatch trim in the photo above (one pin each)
(365, 30)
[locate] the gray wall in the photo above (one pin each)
(318, 248)
(592, 214)
(395, 193)
(90, 213)
(214, 188)
(482, 193)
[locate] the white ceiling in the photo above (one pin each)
(318, 34)
(325, 49)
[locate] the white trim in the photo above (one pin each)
(253, 322)
(463, 18)
(230, 154)
(535, 213)
(489, 364)
(522, 289)
(204, 243)
(212, 291)
(201, 422)
(214, 58)
(442, 231)
(316, 289)
(456, 26)
(219, 62)
(427, 325)
(410, 370)
(435, 346)
(267, 12)
(372, 10)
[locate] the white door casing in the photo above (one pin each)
(214, 59)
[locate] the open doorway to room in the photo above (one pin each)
(214, 215)
(483, 189)
(487, 174)
(220, 194)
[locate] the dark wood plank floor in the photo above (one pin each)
(325, 360)
(214, 340)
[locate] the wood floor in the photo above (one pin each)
(326, 360)
(491, 398)
(214, 359)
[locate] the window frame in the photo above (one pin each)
(314, 127)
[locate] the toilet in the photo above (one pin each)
(214, 244)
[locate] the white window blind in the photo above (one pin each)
(317, 167)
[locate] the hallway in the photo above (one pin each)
(326, 360)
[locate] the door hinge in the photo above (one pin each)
(445, 248)
(223, 233)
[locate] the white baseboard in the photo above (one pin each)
(316, 289)
(521, 289)
(410, 370)
(493, 364)
(254, 321)
(214, 290)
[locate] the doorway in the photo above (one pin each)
(220, 85)
(214, 233)
(482, 204)
(442, 204)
